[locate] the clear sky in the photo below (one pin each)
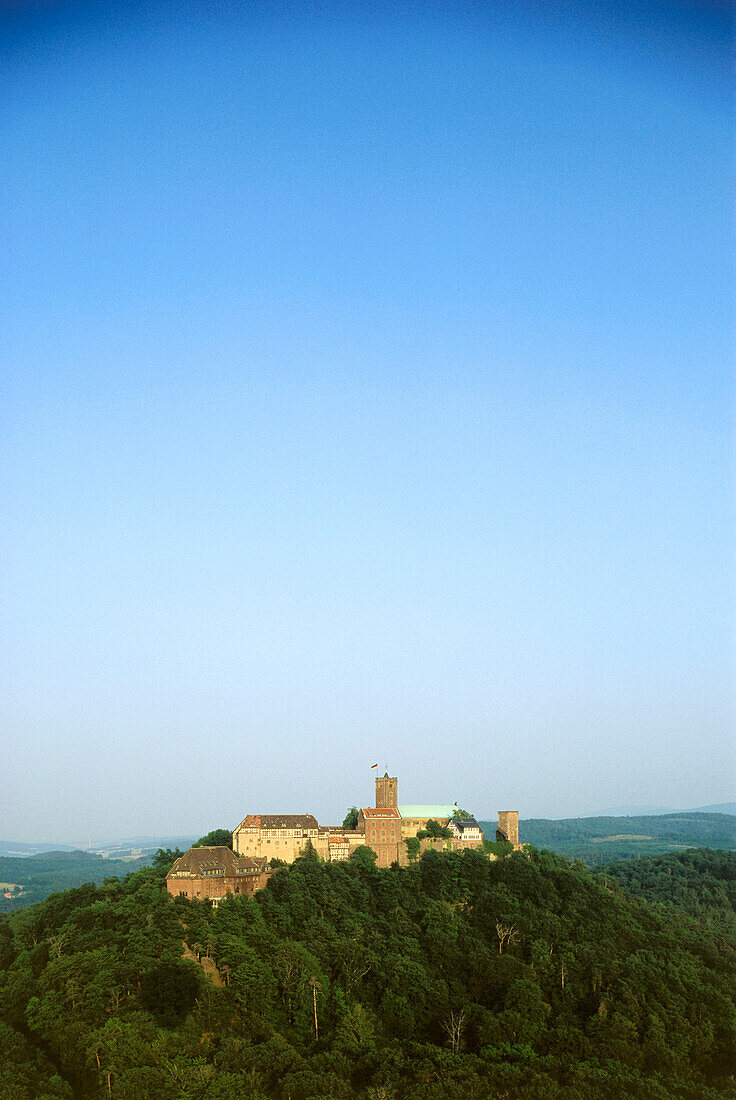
(366, 396)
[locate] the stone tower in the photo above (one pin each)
(387, 792)
(508, 826)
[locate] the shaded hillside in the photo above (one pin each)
(526, 978)
(700, 882)
(599, 840)
(42, 875)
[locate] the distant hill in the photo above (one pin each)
(658, 811)
(720, 808)
(598, 840)
(117, 846)
(18, 848)
(27, 880)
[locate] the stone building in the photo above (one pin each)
(414, 818)
(383, 827)
(508, 826)
(467, 829)
(381, 830)
(275, 836)
(211, 873)
(387, 791)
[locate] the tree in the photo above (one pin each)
(217, 838)
(364, 856)
(506, 935)
(170, 990)
(454, 1025)
(164, 858)
(351, 818)
(434, 829)
(412, 847)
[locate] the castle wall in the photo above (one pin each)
(508, 826)
(273, 843)
(382, 828)
(210, 887)
(440, 844)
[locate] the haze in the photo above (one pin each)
(366, 398)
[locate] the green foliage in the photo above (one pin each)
(434, 829)
(363, 856)
(164, 859)
(217, 838)
(599, 840)
(460, 814)
(498, 848)
(525, 977)
(701, 882)
(412, 847)
(169, 991)
(310, 853)
(350, 821)
(42, 875)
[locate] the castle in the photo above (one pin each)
(259, 838)
(383, 827)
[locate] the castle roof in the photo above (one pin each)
(199, 861)
(380, 811)
(278, 821)
(436, 812)
(462, 823)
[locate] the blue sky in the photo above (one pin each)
(367, 395)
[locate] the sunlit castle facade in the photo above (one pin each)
(384, 827)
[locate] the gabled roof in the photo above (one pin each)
(436, 812)
(462, 823)
(198, 861)
(278, 821)
(380, 811)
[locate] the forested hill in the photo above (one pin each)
(598, 840)
(526, 978)
(700, 882)
(29, 879)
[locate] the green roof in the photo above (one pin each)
(427, 811)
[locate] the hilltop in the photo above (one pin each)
(526, 977)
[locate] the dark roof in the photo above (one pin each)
(278, 821)
(465, 823)
(197, 861)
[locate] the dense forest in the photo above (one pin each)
(527, 978)
(36, 877)
(598, 840)
(700, 882)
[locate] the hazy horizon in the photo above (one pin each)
(98, 841)
(367, 396)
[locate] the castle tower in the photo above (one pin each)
(387, 792)
(508, 826)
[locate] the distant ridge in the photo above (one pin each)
(19, 849)
(602, 838)
(656, 811)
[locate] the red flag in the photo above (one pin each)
(373, 766)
